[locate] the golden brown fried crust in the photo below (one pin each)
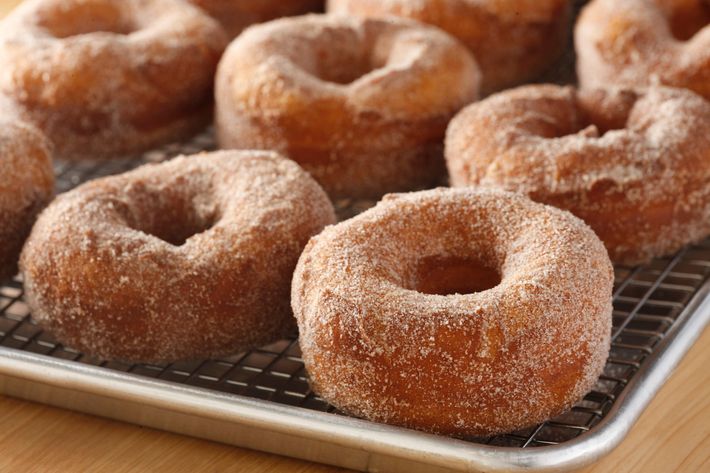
(361, 104)
(633, 43)
(235, 15)
(103, 78)
(635, 165)
(513, 41)
(26, 186)
(480, 363)
(189, 259)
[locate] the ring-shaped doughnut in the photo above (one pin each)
(458, 311)
(102, 78)
(361, 104)
(633, 43)
(634, 165)
(26, 186)
(188, 259)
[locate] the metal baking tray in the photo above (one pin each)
(261, 399)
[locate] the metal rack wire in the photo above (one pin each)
(647, 302)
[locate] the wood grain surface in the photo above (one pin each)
(673, 435)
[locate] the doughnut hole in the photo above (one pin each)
(593, 113)
(331, 62)
(178, 231)
(171, 214)
(79, 18)
(606, 111)
(343, 70)
(687, 17)
(460, 260)
(454, 275)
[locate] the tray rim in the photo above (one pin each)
(374, 438)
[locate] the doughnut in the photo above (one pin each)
(188, 259)
(26, 186)
(103, 78)
(634, 165)
(455, 311)
(513, 41)
(235, 15)
(632, 43)
(361, 104)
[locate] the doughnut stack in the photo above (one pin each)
(475, 309)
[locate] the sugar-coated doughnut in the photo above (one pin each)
(645, 42)
(457, 311)
(235, 15)
(26, 186)
(361, 104)
(513, 41)
(105, 77)
(635, 165)
(188, 259)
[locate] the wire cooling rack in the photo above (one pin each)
(647, 302)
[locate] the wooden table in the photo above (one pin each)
(673, 435)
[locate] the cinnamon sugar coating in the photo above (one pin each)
(513, 41)
(464, 364)
(104, 78)
(188, 259)
(643, 42)
(361, 104)
(634, 165)
(26, 186)
(235, 15)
